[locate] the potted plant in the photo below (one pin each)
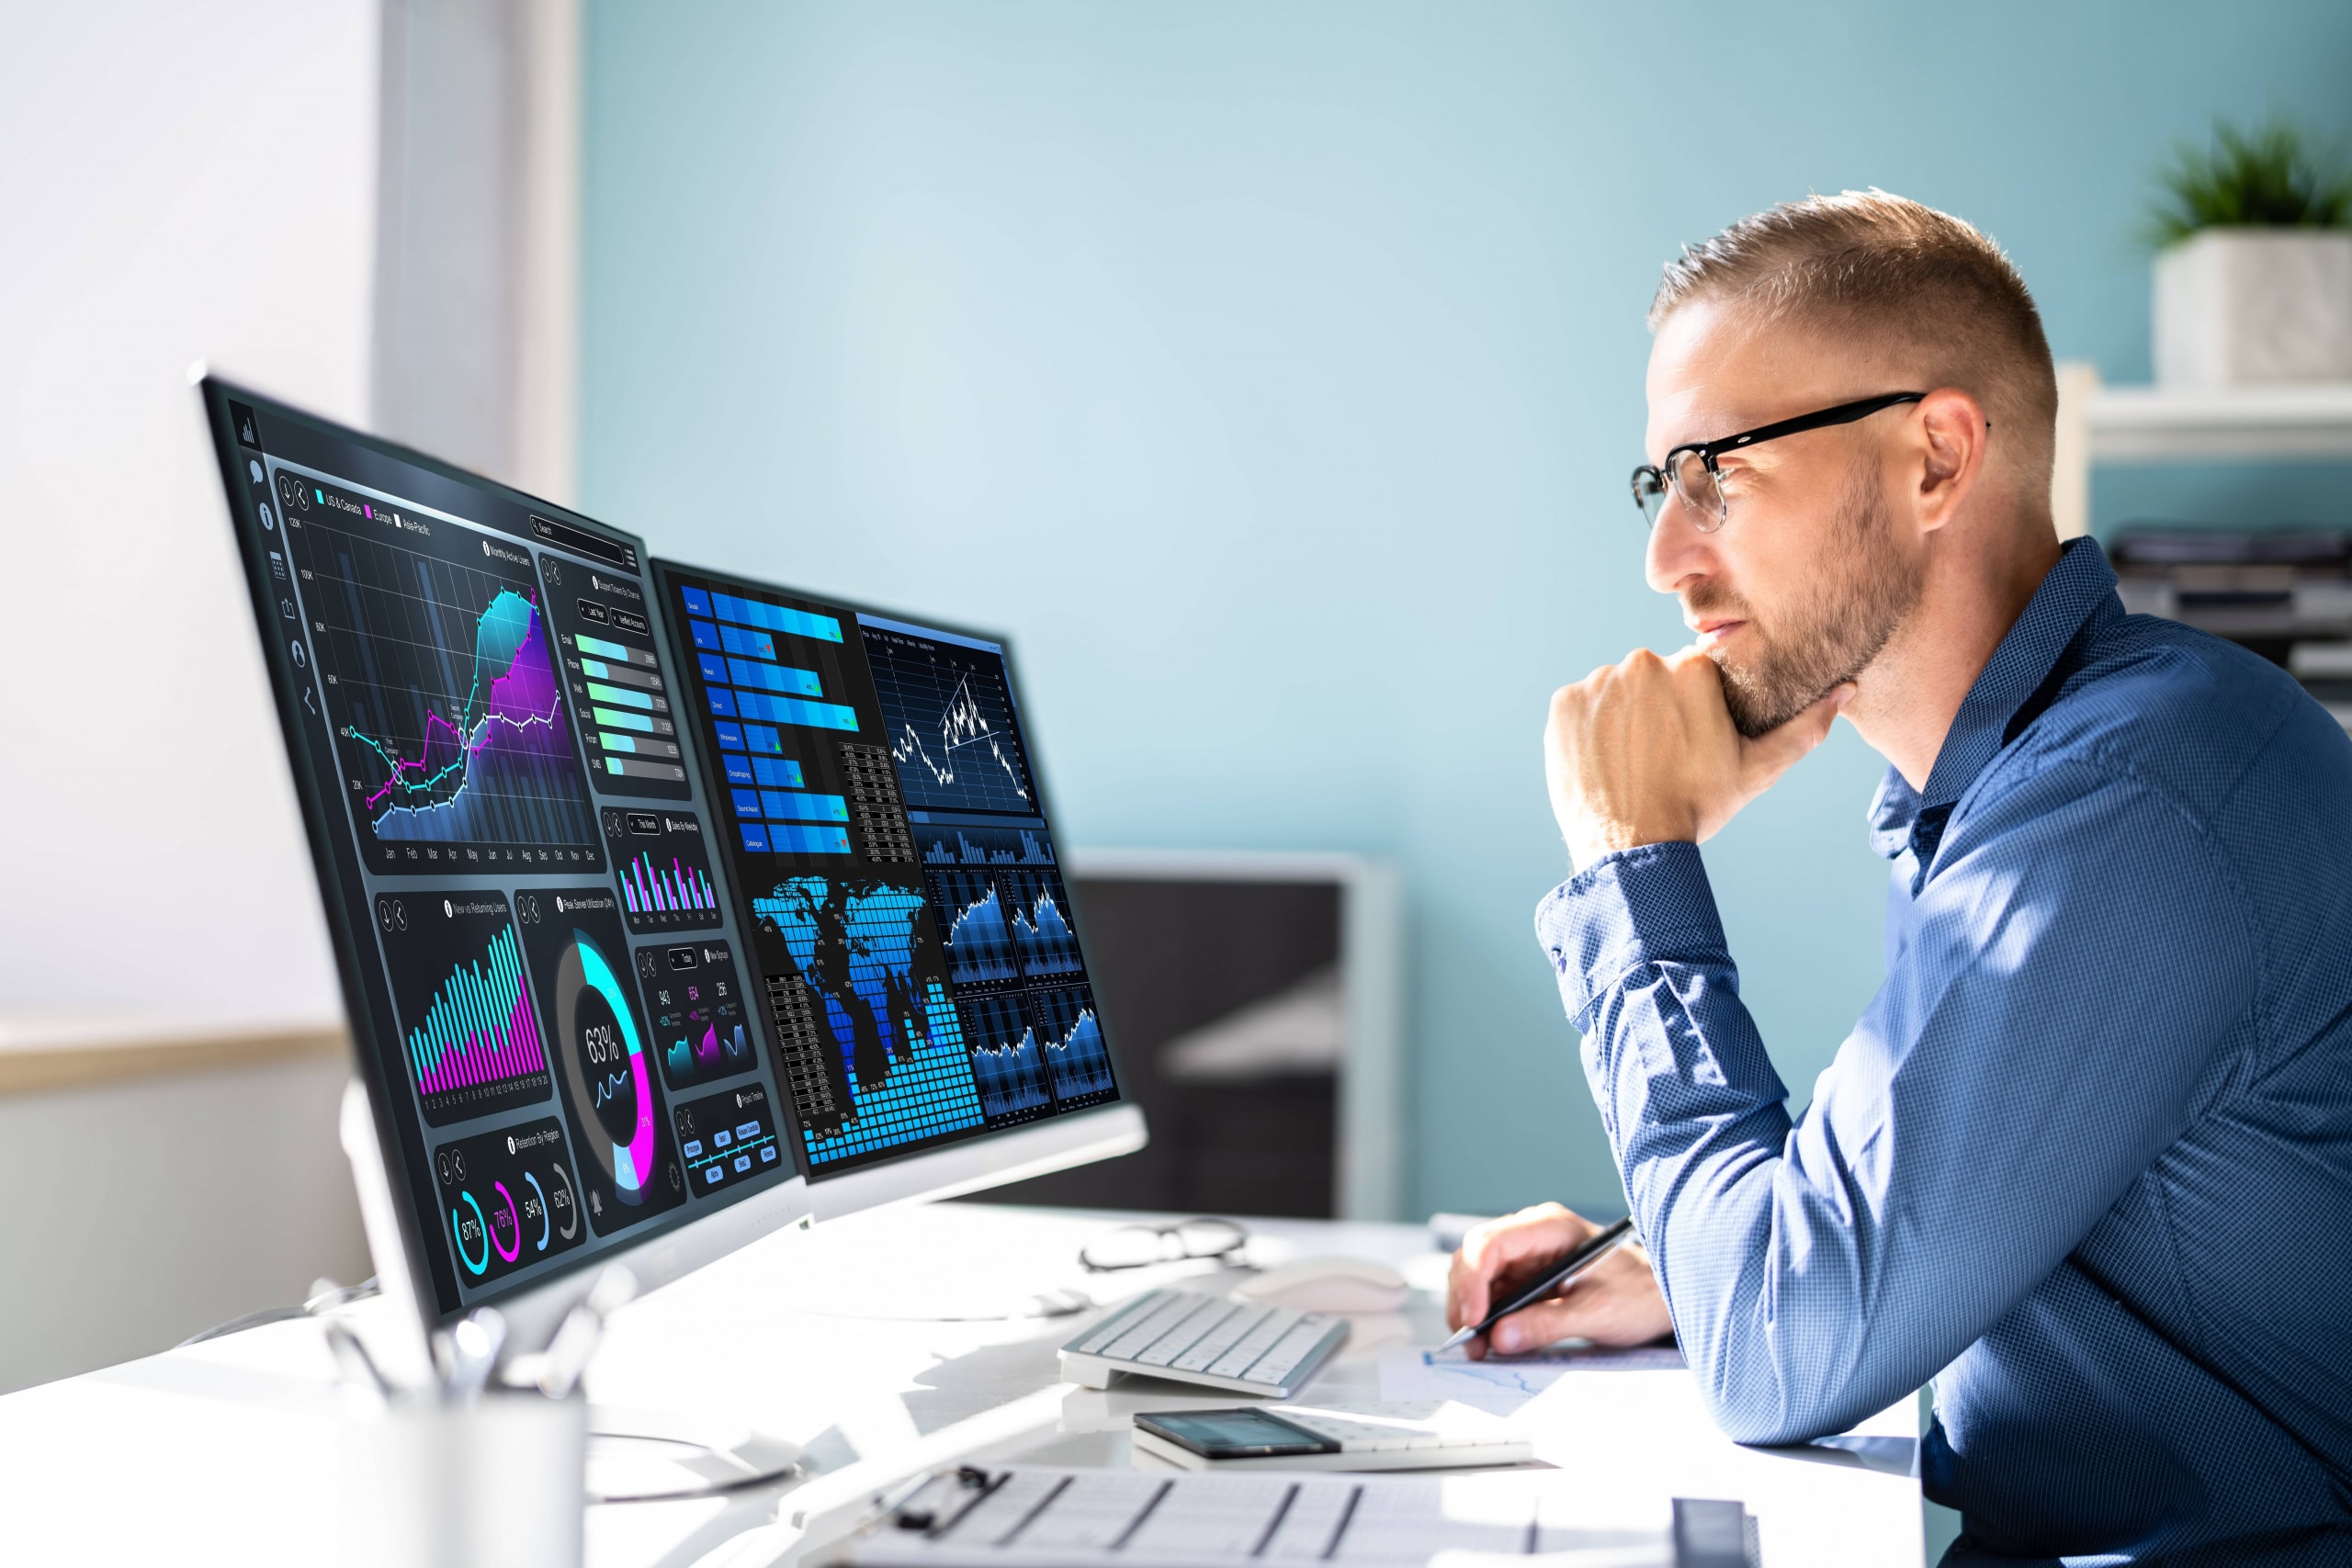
(2254, 275)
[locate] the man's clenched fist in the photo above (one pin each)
(1645, 752)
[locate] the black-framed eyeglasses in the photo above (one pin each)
(1691, 472)
(1140, 1246)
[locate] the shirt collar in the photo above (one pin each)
(2075, 589)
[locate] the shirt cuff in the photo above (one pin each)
(1636, 906)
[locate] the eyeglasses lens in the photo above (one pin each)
(1139, 1247)
(1696, 487)
(1649, 494)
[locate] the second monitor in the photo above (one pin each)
(914, 947)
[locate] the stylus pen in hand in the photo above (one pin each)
(1602, 1242)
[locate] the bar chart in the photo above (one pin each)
(473, 1040)
(664, 864)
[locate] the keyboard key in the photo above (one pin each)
(1220, 1339)
(1254, 1344)
(1171, 1312)
(1185, 1335)
(1292, 1349)
(1118, 1323)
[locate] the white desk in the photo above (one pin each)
(230, 1452)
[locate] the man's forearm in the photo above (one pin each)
(1697, 1117)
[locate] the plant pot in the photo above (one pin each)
(2254, 307)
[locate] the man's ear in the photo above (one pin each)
(1952, 434)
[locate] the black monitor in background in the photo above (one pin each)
(548, 984)
(912, 942)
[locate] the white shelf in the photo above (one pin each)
(2146, 424)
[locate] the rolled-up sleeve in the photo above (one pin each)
(2076, 962)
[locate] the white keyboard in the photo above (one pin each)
(1215, 1341)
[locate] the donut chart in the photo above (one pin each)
(625, 1153)
(613, 1087)
(511, 1199)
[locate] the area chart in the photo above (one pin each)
(442, 687)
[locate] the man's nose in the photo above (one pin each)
(1678, 551)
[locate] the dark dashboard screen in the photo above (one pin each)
(547, 986)
(911, 939)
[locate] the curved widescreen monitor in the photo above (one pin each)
(910, 938)
(550, 997)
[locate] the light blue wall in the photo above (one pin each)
(1272, 372)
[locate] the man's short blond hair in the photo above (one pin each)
(1868, 268)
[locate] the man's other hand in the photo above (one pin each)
(1616, 1302)
(1645, 752)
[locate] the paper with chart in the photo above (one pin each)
(1502, 1385)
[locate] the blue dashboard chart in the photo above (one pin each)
(434, 658)
(1036, 1051)
(912, 944)
(948, 715)
(984, 846)
(973, 927)
(1007, 1062)
(870, 1042)
(1041, 932)
(1072, 1039)
(1002, 927)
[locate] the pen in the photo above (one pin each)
(1602, 1242)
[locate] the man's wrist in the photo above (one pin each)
(1597, 843)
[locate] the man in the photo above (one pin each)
(2086, 1160)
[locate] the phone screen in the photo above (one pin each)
(1234, 1433)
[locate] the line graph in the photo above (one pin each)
(949, 719)
(1072, 1039)
(973, 928)
(1041, 932)
(1006, 1062)
(435, 657)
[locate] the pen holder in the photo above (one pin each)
(495, 1482)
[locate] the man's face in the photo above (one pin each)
(1807, 578)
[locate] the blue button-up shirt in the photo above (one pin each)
(2086, 1160)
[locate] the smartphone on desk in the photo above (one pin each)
(1283, 1438)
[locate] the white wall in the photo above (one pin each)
(164, 1206)
(179, 181)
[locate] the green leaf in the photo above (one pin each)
(2271, 176)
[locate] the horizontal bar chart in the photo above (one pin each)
(774, 618)
(784, 678)
(604, 650)
(793, 710)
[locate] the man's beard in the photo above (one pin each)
(1864, 591)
